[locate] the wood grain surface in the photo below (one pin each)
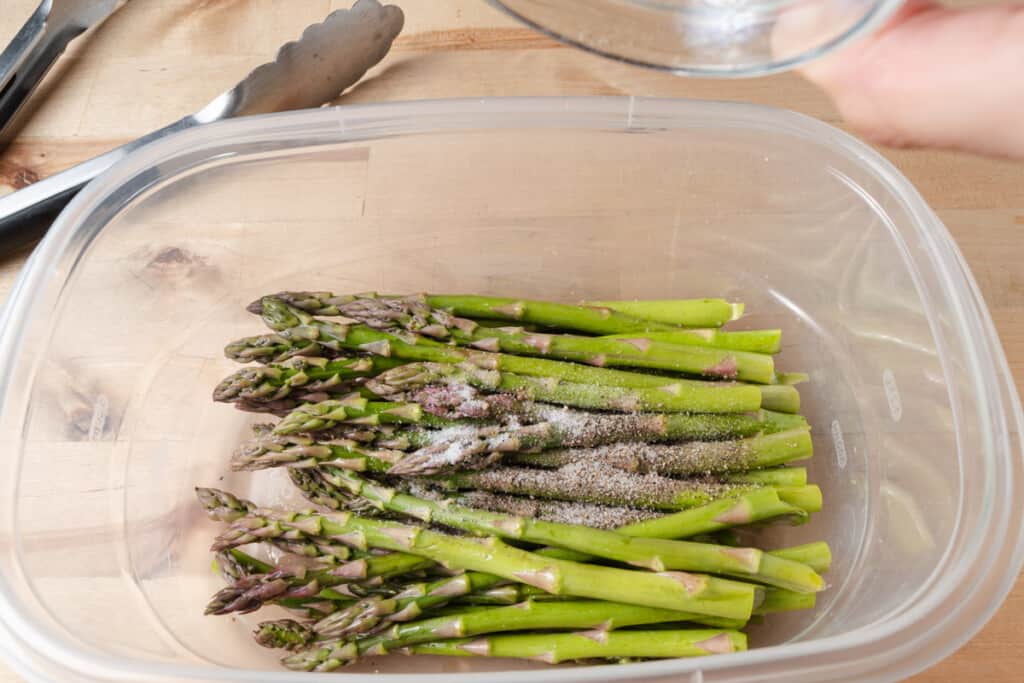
(157, 60)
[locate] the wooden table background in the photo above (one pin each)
(157, 60)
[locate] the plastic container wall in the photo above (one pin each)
(113, 338)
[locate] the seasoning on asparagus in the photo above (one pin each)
(627, 446)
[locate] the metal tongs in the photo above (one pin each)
(328, 58)
(39, 43)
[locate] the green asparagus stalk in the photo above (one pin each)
(300, 451)
(589, 316)
(273, 348)
(465, 449)
(804, 497)
(775, 476)
(553, 648)
(284, 634)
(509, 594)
(408, 604)
(523, 612)
(590, 483)
(595, 483)
(630, 353)
(757, 506)
(728, 537)
(299, 377)
(756, 341)
(526, 616)
(718, 363)
(678, 396)
(678, 312)
(268, 348)
(672, 590)
(602, 617)
(309, 580)
(784, 398)
(785, 601)
(311, 417)
(656, 554)
(816, 555)
(421, 312)
(692, 458)
(595, 516)
(234, 564)
(222, 506)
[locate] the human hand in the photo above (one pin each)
(935, 77)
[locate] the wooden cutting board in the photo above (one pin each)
(157, 60)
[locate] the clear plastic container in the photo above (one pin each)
(719, 38)
(111, 346)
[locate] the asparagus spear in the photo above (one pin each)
(308, 580)
(718, 363)
(595, 516)
(784, 398)
(326, 414)
(775, 476)
(525, 616)
(596, 483)
(609, 389)
(273, 348)
(756, 341)
(817, 555)
(463, 446)
(300, 451)
(405, 605)
(785, 601)
(673, 590)
(553, 648)
(424, 311)
(281, 387)
(656, 554)
(299, 376)
(269, 348)
(692, 458)
(509, 594)
(804, 497)
(222, 506)
(530, 615)
(284, 634)
(461, 621)
(756, 506)
(677, 396)
(680, 312)
(469, 448)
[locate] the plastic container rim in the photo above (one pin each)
(420, 117)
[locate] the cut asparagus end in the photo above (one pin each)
(806, 498)
(816, 555)
(782, 398)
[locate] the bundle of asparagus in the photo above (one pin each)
(511, 478)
